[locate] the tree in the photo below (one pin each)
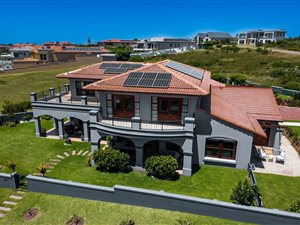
(244, 193)
(12, 164)
(122, 52)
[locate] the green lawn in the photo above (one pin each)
(4, 193)
(296, 130)
(58, 210)
(20, 143)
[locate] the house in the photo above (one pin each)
(212, 36)
(118, 43)
(260, 36)
(163, 108)
(161, 43)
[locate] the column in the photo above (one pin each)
(58, 98)
(33, 97)
(60, 123)
(55, 125)
(83, 100)
(139, 156)
(136, 123)
(187, 157)
(277, 141)
(86, 131)
(37, 123)
(51, 92)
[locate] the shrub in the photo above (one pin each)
(295, 206)
(162, 167)
(294, 85)
(244, 193)
(76, 220)
(27, 117)
(12, 164)
(219, 77)
(127, 222)
(111, 160)
(259, 44)
(184, 222)
(42, 168)
(10, 124)
(238, 79)
(11, 108)
(136, 58)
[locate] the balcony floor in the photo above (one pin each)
(66, 99)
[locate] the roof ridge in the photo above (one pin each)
(181, 78)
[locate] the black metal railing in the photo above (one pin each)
(258, 199)
(47, 95)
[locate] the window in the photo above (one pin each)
(224, 149)
(43, 56)
(169, 109)
(123, 106)
(80, 92)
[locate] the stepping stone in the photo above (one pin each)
(55, 160)
(86, 152)
(21, 192)
(2, 208)
(79, 153)
(73, 152)
(2, 215)
(16, 197)
(66, 154)
(50, 167)
(53, 163)
(59, 156)
(91, 153)
(9, 203)
(37, 174)
(47, 171)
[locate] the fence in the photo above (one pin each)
(9, 180)
(50, 94)
(162, 200)
(251, 175)
(17, 116)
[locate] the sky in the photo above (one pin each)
(38, 21)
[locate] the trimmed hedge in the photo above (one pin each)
(162, 167)
(111, 160)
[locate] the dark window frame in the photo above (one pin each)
(219, 147)
(80, 92)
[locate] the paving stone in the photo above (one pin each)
(37, 174)
(6, 209)
(50, 167)
(59, 156)
(79, 153)
(16, 197)
(55, 160)
(73, 152)
(91, 153)
(9, 203)
(66, 154)
(48, 171)
(21, 192)
(53, 163)
(86, 152)
(2, 215)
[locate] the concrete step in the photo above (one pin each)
(16, 197)
(9, 203)
(66, 154)
(79, 153)
(6, 209)
(2, 215)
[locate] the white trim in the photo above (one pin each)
(218, 160)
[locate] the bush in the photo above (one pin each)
(111, 160)
(11, 124)
(11, 108)
(42, 168)
(238, 79)
(219, 77)
(136, 58)
(27, 117)
(12, 164)
(295, 206)
(184, 222)
(127, 222)
(162, 167)
(244, 193)
(294, 85)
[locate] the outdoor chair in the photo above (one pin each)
(280, 157)
(261, 153)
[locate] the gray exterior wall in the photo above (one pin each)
(9, 180)
(209, 127)
(73, 89)
(162, 200)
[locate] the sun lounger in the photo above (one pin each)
(280, 157)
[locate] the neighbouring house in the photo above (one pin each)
(6, 62)
(163, 108)
(212, 36)
(260, 36)
(161, 43)
(118, 43)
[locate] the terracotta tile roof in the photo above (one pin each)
(180, 84)
(92, 72)
(289, 113)
(119, 41)
(244, 107)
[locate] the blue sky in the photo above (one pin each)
(38, 21)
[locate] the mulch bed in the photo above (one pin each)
(76, 221)
(30, 214)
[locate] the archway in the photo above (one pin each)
(125, 145)
(48, 126)
(73, 128)
(153, 148)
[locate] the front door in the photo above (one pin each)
(123, 106)
(169, 109)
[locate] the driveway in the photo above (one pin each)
(291, 167)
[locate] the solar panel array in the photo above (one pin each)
(147, 79)
(185, 69)
(83, 49)
(128, 66)
(112, 70)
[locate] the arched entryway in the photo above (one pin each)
(73, 127)
(125, 145)
(153, 148)
(47, 126)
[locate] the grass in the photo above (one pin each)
(296, 131)
(20, 143)
(4, 193)
(58, 210)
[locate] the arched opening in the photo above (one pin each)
(124, 145)
(48, 127)
(73, 128)
(153, 148)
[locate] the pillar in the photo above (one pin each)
(86, 131)
(51, 92)
(55, 125)
(60, 123)
(67, 87)
(139, 156)
(37, 123)
(277, 141)
(187, 157)
(58, 98)
(33, 97)
(136, 123)
(83, 100)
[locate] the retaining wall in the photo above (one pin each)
(18, 116)
(9, 180)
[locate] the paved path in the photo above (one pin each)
(291, 167)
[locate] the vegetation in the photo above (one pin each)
(122, 52)
(238, 79)
(127, 222)
(244, 193)
(12, 164)
(293, 134)
(11, 108)
(55, 209)
(42, 168)
(288, 44)
(295, 206)
(162, 167)
(111, 160)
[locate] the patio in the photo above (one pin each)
(291, 166)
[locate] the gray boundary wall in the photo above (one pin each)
(18, 116)
(281, 90)
(162, 200)
(9, 180)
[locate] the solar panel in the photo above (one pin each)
(112, 70)
(110, 65)
(141, 79)
(185, 69)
